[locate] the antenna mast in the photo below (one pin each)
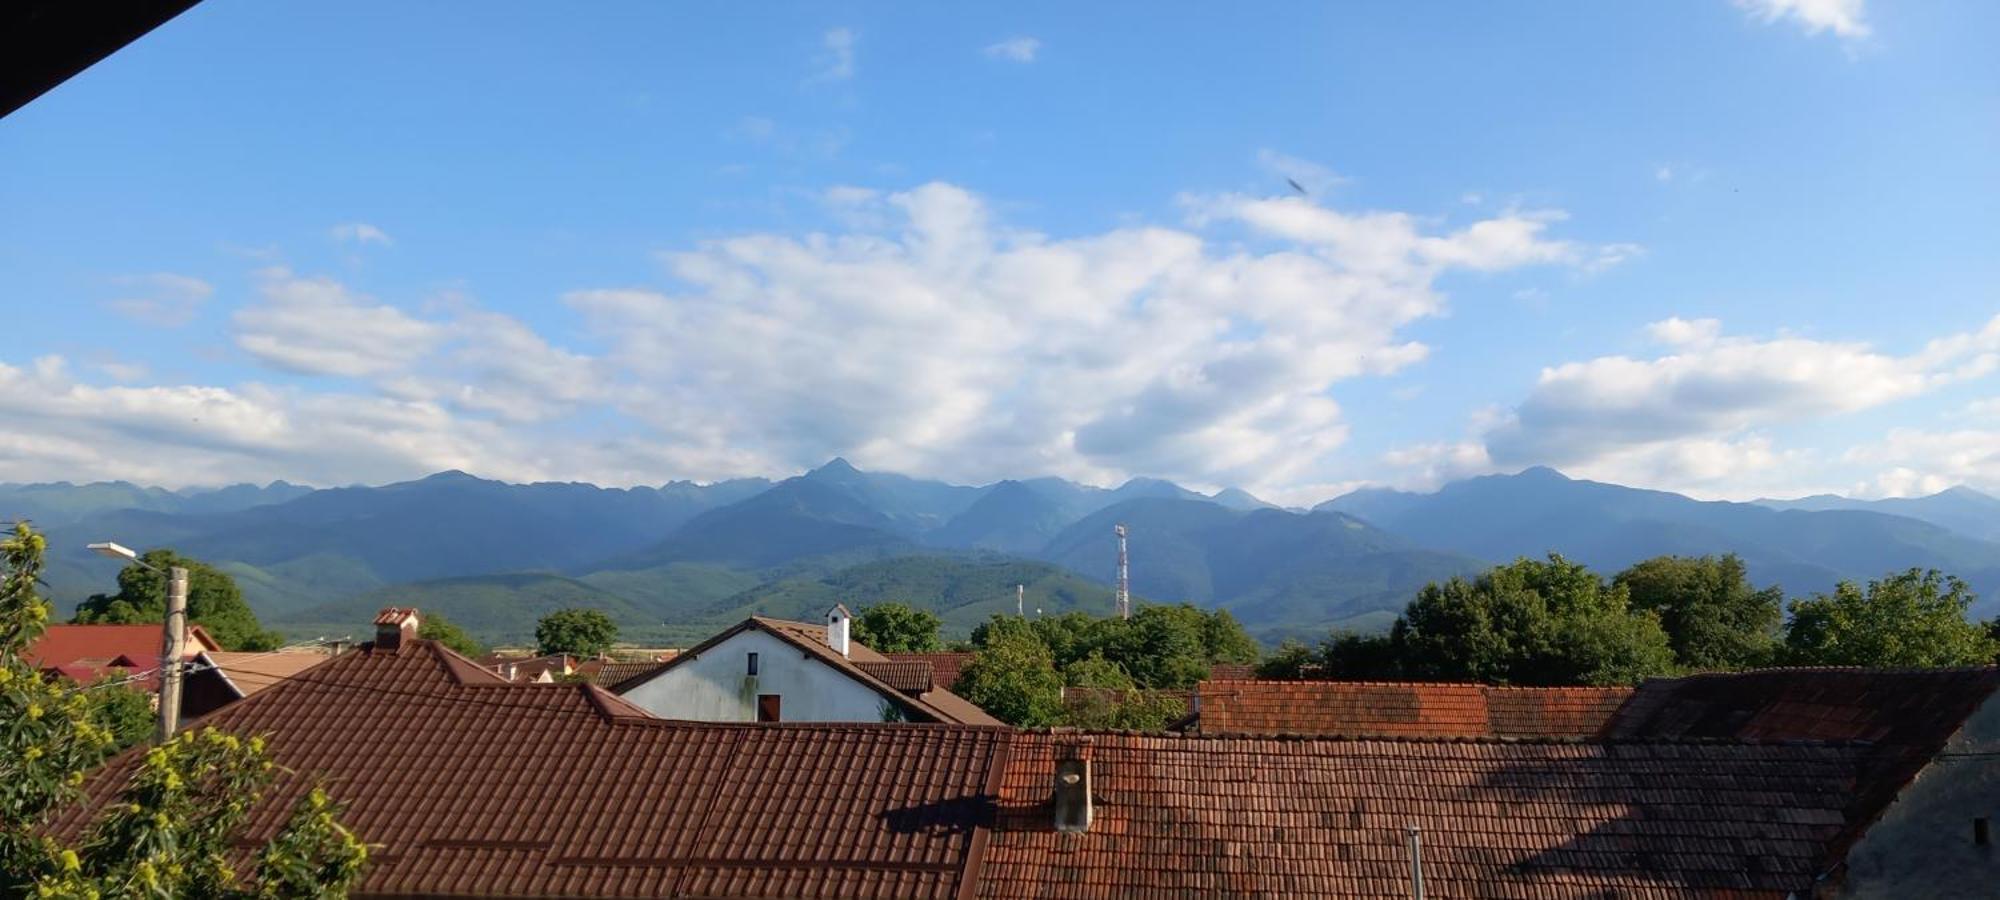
(1021, 600)
(1124, 577)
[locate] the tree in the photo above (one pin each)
(174, 823)
(1293, 661)
(214, 602)
(1910, 619)
(1531, 622)
(1094, 671)
(436, 627)
(1714, 619)
(898, 628)
(123, 710)
(575, 631)
(1161, 646)
(1014, 678)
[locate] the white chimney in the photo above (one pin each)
(837, 628)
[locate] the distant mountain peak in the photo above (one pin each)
(448, 476)
(837, 467)
(1542, 472)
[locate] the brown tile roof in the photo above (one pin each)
(1401, 709)
(424, 748)
(932, 705)
(251, 673)
(611, 671)
(1232, 672)
(1202, 817)
(945, 664)
(908, 677)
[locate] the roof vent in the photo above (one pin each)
(1072, 798)
(838, 628)
(394, 626)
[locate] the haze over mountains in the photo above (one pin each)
(671, 562)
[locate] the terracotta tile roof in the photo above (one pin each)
(908, 677)
(945, 664)
(1232, 672)
(90, 649)
(424, 745)
(1901, 706)
(424, 748)
(1193, 816)
(611, 671)
(933, 705)
(251, 673)
(1401, 709)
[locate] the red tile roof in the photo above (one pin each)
(91, 649)
(1210, 817)
(1401, 709)
(424, 748)
(424, 745)
(611, 671)
(908, 677)
(933, 704)
(1232, 672)
(945, 664)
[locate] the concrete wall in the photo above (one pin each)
(1922, 847)
(713, 687)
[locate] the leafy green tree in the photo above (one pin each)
(436, 627)
(576, 631)
(172, 827)
(1293, 661)
(898, 628)
(1714, 619)
(1161, 646)
(1014, 678)
(123, 710)
(1127, 710)
(1094, 671)
(1530, 622)
(214, 602)
(1350, 656)
(1909, 619)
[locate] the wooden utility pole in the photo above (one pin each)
(175, 647)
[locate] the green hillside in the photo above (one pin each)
(964, 591)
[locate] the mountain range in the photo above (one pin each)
(674, 561)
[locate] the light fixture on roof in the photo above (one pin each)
(120, 551)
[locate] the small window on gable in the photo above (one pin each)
(753, 665)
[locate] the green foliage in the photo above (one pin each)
(1292, 662)
(1713, 617)
(1159, 647)
(170, 830)
(898, 628)
(125, 711)
(1094, 671)
(214, 602)
(1531, 622)
(436, 627)
(1912, 618)
(1014, 679)
(575, 631)
(1127, 710)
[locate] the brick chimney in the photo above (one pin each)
(839, 628)
(1072, 802)
(394, 626)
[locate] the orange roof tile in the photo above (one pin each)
(90, 649)
(1402, 709)
(945, 664)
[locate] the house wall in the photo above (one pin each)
(1922, 847)
(713, 687)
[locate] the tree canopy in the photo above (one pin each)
(214, 602)
(1913, 618)
(1014, 679)
(1713, 617)
(898, 628)
(174, 823)
(436, 627)
(577, 631)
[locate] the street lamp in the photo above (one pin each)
(174, 640)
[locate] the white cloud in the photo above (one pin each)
(1845, 18)
(945, 343)
(836, 62)
(1691, 418)
(165, 299)
(315, 326)
(359, 233)
(1015, 49)
(1924, 461)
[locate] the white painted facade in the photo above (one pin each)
(716, 685)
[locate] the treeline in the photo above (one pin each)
(1555, 622)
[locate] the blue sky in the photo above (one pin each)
(1733, 249)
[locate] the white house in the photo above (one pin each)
(772, 670)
